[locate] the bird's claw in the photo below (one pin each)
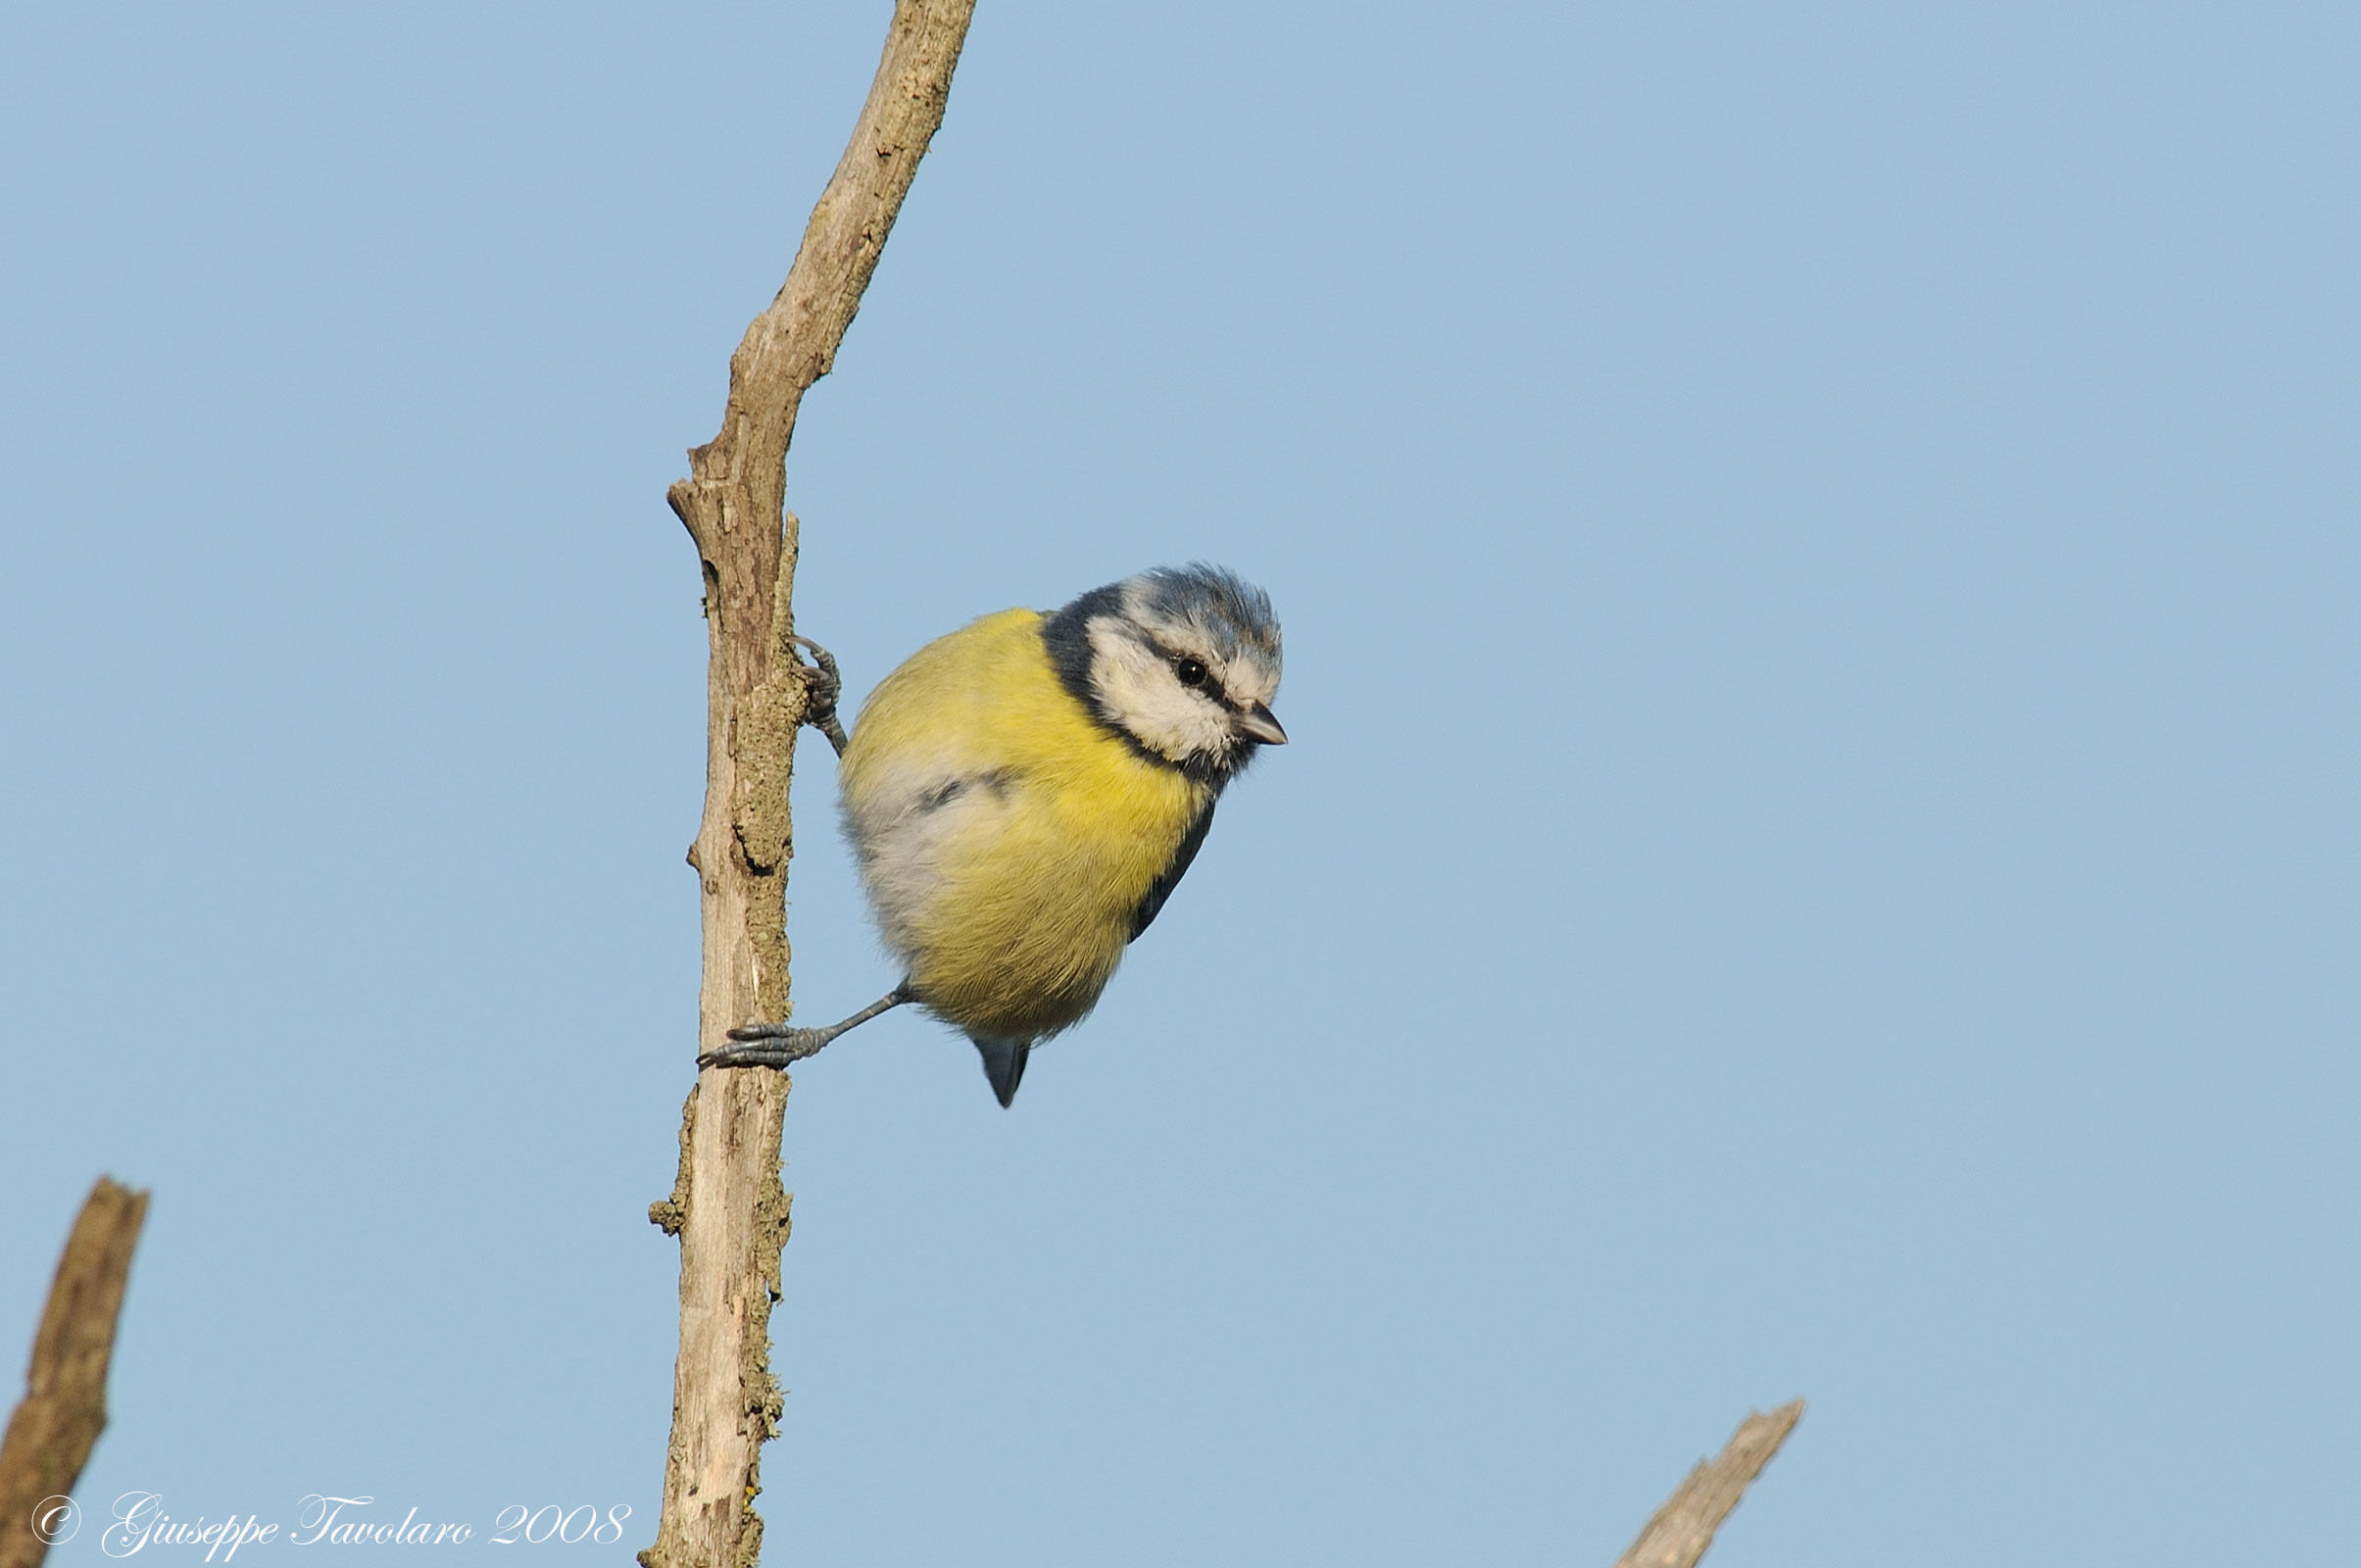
(766, 1045)
(823, 686)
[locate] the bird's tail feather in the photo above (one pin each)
(1005, 1065)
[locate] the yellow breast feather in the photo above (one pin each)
(1006, 838)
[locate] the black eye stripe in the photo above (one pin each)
(1206, 681)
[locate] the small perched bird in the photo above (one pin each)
(1023, 795)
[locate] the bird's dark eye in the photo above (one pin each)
(1190, 671)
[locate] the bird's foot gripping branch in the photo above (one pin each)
(782, 1045)
(824, 688)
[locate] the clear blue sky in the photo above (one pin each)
(1818, 552)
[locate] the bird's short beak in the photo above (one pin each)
(1263, 725)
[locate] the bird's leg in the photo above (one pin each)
(780, 1044)
(823, 684)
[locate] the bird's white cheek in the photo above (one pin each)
(1168, 720)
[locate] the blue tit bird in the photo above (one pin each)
(1023, 795)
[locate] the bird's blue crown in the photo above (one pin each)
(1231, 614)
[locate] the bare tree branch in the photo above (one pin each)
(65, 1408)
(1678, 1535)
(727, 1206)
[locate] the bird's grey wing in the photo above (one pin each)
(1170, 878)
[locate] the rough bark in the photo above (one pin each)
(1681, 1531)
(64, 1406)
(727, 1206)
